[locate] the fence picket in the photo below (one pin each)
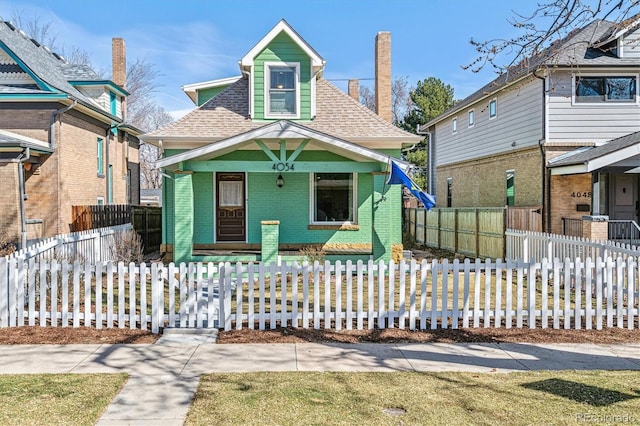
(261, 298)
(381, 292)
(121, 295)
(578, 291)
(4, 295)
(476, 293)
(412, 295)
(349, 308)
(531, 295)
(456, 282)
(251, 296)
(110, 295)
(239, 295)
(402, 302)
(65, 294)
(609, 269)
(295, 309)
(391, 293)
(327, 295)
(467, 283)
(619, 291)
(423, 294)
(434, 294)
(283, 296)
(370, 306)
(199, 294)
(556, 294)
(144, 321)
(519, 293)
(98, 295)
(272, 296)
(631, 284)
(588, 293)
(42, 317)
(22, 272)
(305, 294)
(76, 295)
(360, 310)
(567, 293)
(338, 310)
(508, 306)
(486, 320)
(132, 296)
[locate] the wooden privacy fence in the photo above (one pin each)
(146, 220)
(559, 294)
(474, 232)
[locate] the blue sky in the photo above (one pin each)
(191, 41)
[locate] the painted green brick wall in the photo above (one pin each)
(203, 208)
(167, 211)
(282, 49)
(290, 205)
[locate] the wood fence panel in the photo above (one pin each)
(432, 230)
(467, 232)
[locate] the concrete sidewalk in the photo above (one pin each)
(164, 376)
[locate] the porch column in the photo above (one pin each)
(595, 193)
(387, 219)
(270, 241)
(183, 217)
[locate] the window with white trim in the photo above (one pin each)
(100, 201)
(282, 86)
(598, 89)
(493, 108)
(471, 118)
(454, 124)
(333, 198)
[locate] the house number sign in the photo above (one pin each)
(581, 194)
(283, 167)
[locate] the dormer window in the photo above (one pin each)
(282, 96)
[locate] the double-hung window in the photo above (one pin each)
(282, 97)
(592, 89)
(471, 118)
(454, 124)
(333, 197)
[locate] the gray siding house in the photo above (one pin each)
(524, 138)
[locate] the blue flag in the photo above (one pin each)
(397, 176)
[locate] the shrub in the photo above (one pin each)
(127, 247)
(312, 253)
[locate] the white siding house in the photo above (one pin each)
(535, 131)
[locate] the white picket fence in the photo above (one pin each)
(538, 245)
(94, 245)
(428, 295)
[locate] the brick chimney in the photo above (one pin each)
(383, 75)
(119, 67)
(354, 89)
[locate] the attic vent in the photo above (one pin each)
(10, 25)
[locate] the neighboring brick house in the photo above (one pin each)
(279, 159)
(513, 141)
(62, 134)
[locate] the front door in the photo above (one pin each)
(230, 207)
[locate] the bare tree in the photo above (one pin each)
(548, 23)
(155, 118)
(400, 100)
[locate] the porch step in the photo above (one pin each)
(173, 336)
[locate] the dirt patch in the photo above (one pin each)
(394, 335)
(67, 335)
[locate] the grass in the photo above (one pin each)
(56, 399)
(550, 398)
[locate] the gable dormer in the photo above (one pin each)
(623, 39)
(282, 69)
(104, 93)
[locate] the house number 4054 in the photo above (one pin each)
(283, 167)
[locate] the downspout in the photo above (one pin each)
(52, 129)
(430, 171)
(546, 199)
(26, 154)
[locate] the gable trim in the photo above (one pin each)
(41, 83)
(282, 129)
(282, 26)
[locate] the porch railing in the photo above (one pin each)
(572, 227)
(625, 231)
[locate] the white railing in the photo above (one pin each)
(559, 294)
(537, 245)
(93, 246)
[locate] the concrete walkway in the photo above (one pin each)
(164, 376)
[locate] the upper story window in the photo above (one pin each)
(454, 124)
(471, 118)
(282, 95)
(493, 108)
(591, 89)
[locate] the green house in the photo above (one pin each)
(279, 160)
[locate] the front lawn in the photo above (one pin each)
(56, 399)
(558, 397)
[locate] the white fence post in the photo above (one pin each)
(4, 292)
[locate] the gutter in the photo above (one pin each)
(52, 129)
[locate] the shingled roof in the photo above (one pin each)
(227, 114)
(577, 49)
